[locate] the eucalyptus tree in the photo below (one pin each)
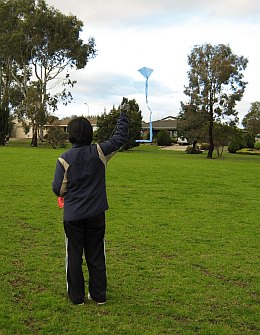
(251, 121)
(215, 84)
(4, 110)
(41, 46)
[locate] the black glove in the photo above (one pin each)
(124, 107)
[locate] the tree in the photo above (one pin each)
(8, 96)
(3, 113)
(4, 125)
(192, 124)
(56, 136)
(106, 124)
(40, 43)
(251, 121)
(239, 139)
(163, 138)
(223, 134)
(215, 84)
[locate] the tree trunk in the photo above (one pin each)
(194, 144)
(41, 133)
(2, 138)
(4, 124)
(34, 138)
(211, 142)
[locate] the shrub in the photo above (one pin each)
(163, 138)
(248, 151)
(56, 137)
(248, 140)
(234, 145)
(191, 150)
(257, 146)
(174, 140)
(204, 146)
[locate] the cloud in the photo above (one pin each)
(108, 89)
(117, 13)
(158, 34)
(105, 84)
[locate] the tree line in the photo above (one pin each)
(106, 125)
(39, 46)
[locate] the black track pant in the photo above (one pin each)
(88, 236)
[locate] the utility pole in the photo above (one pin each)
(87, 106)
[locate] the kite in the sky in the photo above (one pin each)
(146, 72)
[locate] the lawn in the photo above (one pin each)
(182, 246)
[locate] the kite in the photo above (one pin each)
(146, 72)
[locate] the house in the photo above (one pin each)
(19, 133)
(17, 130)
(168, 123)
(64, 123)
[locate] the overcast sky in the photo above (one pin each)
(158, 34)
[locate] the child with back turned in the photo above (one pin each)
(80, 178)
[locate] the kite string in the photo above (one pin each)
(146, 96)
(146, 91)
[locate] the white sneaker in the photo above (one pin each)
(98, 303)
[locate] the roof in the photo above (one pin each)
(169, 123)
(64, 122)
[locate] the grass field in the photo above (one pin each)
(182, 246)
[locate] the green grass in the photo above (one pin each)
(182, 246)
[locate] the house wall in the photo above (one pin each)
(18, 131)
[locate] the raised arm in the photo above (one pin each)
(119, 137)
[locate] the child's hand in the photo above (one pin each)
(124, 107)
(61, 202)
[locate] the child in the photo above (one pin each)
(80, 178)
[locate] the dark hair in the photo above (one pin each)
(80, 131)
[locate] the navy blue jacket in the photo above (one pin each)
(80, 175)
